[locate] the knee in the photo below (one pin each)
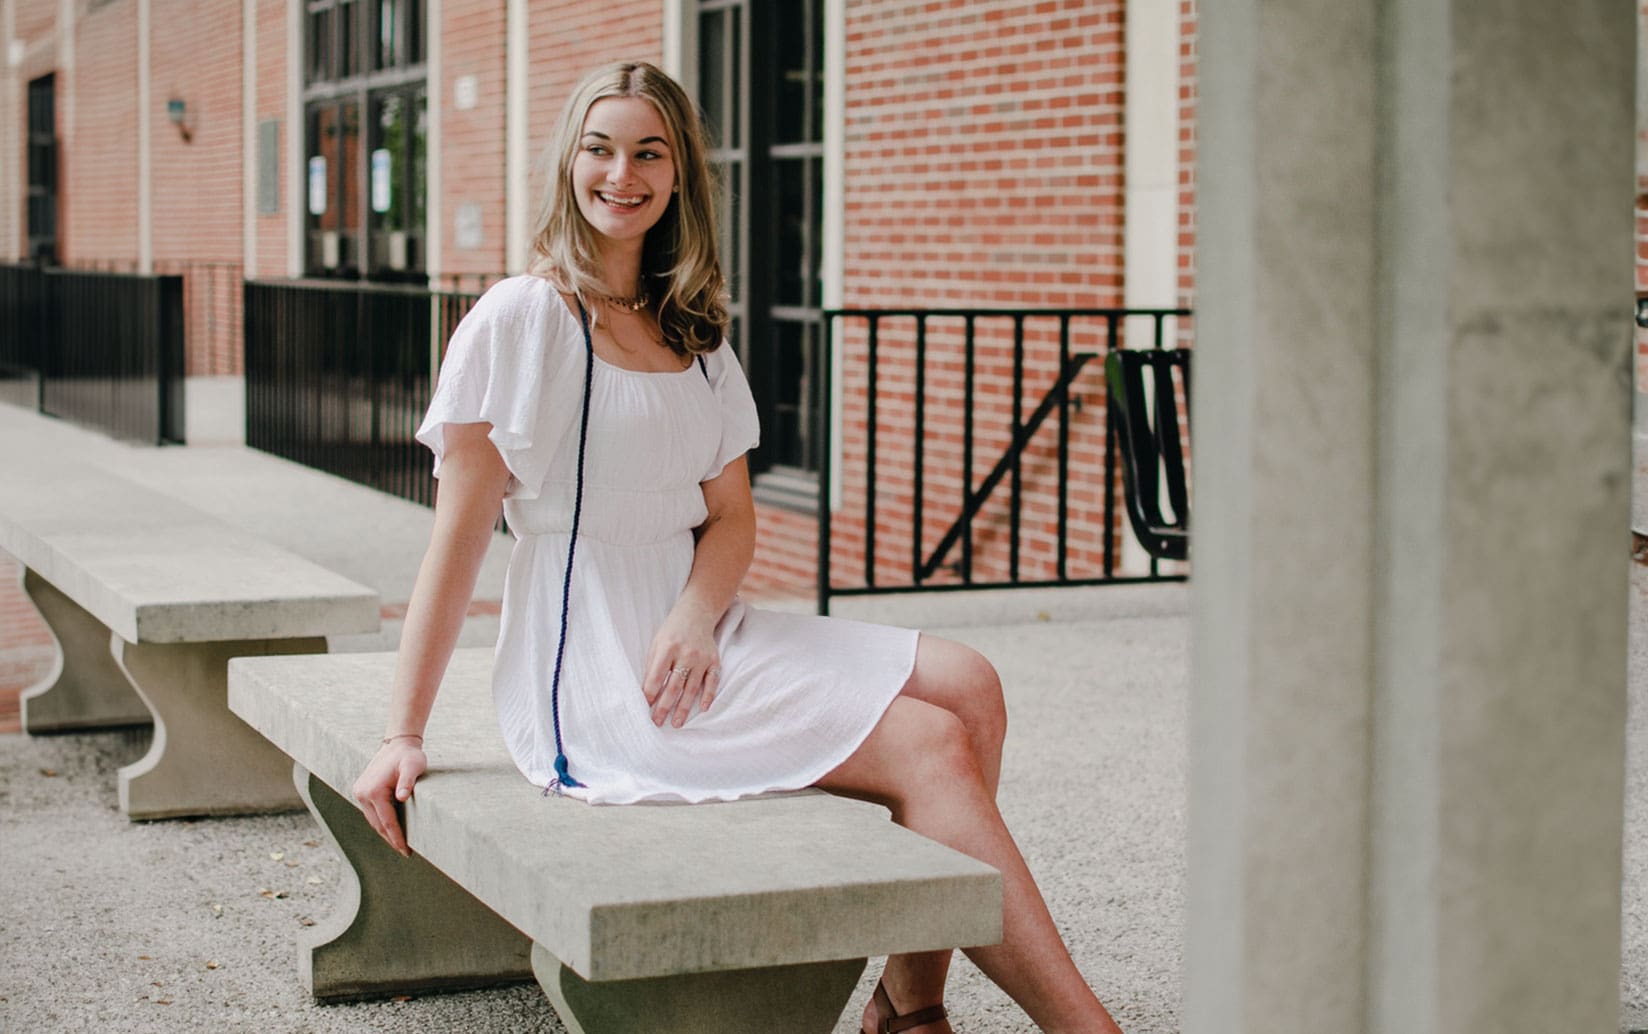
(986, 706)
(942, 750)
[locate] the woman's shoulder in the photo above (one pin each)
(529, 307)
(523, 296)
(721, 358)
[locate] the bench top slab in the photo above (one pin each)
(642, 890)
(156, 571)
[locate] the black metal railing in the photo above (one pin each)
(107, 348)
(211, 307)
(998, 418)
(22, 324)
(339, 376)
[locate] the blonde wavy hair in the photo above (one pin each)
(680, 268)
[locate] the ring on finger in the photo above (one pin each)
(716, 672)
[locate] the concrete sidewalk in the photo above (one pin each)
(191, 926)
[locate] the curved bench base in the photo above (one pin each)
(400, 923)
(806, 999)
(88, 690)
(204, 760)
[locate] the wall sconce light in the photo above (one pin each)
(176, 114)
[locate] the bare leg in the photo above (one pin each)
(922, 763)
(958, 679)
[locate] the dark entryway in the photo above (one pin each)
(42, 148)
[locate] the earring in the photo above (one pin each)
(676, 189)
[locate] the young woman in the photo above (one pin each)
(597, 400)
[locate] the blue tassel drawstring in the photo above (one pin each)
(562, 778)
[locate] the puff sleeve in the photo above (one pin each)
(510, 363)
(740, 426)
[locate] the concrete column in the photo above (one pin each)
(1410, 599)
(1282, 641)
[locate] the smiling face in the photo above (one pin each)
(624, 169)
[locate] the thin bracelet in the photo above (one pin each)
(402, 736)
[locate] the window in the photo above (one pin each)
(42, 169)
(761, 86)
(366, 102)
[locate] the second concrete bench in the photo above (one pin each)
(148, 599)
(750, 916)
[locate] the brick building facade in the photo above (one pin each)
(910, 153)
(941, 154)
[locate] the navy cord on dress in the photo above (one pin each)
(562, 777)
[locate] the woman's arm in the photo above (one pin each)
(471, 486)
(686, 640)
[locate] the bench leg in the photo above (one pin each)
(805, 999)
(88, 690)
(204, 760)
(400, 923)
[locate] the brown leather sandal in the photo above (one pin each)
(892, 1023)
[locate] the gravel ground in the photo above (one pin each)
(106, 925)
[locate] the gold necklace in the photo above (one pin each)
(634, 303)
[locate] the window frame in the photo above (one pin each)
(350, 76)
(752, 258)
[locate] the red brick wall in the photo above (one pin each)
(99, 146)
(472, 148)
(983, 158)
(195, 56)
(36, 20)
(567, 39)
(271, 259)
(786, 555)
(564, 41)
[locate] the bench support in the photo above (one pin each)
(400, 924)
(807, 999)
(88, 690)
(204, 760)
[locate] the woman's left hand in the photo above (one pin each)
(682, 669)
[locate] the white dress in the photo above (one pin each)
(798, 693)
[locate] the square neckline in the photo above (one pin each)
(609, 364)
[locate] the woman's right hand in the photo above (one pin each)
(386, 781)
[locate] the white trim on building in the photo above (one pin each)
(518, 207)
(832, 260)
(249, 158)
(295, 177)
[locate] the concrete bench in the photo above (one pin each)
(754, 915)
(148, 600)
